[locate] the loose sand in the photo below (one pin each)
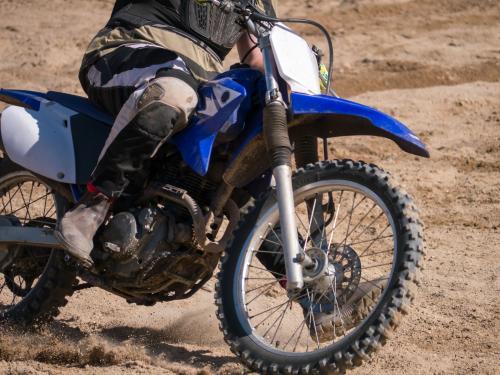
(435, 65)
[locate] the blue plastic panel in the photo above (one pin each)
(79, 104)
(381, 124)
(220, 101)
(27, 99)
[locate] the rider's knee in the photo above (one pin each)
(165, 106)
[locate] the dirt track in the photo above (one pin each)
(435, 65)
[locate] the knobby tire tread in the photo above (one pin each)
(395, 302)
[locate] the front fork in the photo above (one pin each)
(280, 150)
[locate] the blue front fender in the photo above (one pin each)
(327, 116)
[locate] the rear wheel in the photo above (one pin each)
(34, 282)
(365, 237)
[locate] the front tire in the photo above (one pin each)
(376, 320)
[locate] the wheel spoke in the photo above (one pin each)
(336, 301)
(9, 202)
(36, 200)
(369, 225)
(273, 242)
(335, 221)
(309, 228)
(269, 252)
(372, 239)
(351, 224)
(23, 198)
(26, 205)
(49, 211)
(276, 306)
(323, 231)
(375, 240)
(363, 218)
(44, 204)
(354, 208)
(264, 269)
(377, 265)
(282, 315)
(263, 286)
(313, 318)
(350, 219)
(31, 195)
(263, 312)
(377, 253)
(259, 295)
(274, 311)
(276, 234)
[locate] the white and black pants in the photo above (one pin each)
(151, 93)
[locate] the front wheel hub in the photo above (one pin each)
(319, 270)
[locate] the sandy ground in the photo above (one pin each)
(435, 65)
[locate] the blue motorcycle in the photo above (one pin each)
(317, 260)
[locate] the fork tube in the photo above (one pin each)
(271, 83)
(280, 150)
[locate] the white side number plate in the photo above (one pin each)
(296, 62)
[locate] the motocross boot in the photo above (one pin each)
(326, 326)
(78, 227)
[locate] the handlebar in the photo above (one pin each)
(253, 15)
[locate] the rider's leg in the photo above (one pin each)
(159, 110)
(161, 99)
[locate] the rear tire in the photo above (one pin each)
(383, 317)
(43, 301)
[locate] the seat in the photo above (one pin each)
(81, 105)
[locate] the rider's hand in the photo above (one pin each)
(250, 52)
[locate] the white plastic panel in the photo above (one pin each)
(40, 141)
(296, 62)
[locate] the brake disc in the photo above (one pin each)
(348, 266)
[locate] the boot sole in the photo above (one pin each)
(85, 261)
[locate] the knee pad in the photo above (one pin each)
(157, 120)
(165, 106)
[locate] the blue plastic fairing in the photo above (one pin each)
(22, 98)
(219, 110)
(340, 117)
(31, 100)
(81, 105)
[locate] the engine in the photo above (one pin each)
(149, 253)
(177, 173)
(146, 256)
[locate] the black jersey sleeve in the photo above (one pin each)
(119, 4)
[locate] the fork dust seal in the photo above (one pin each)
(276, 134)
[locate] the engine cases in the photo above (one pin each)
(145, 256)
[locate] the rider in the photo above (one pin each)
(144, 68)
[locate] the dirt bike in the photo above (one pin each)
(317, 259)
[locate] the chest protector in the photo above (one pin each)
(205, 22)
(211, 23)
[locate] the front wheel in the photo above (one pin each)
(366, 241)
